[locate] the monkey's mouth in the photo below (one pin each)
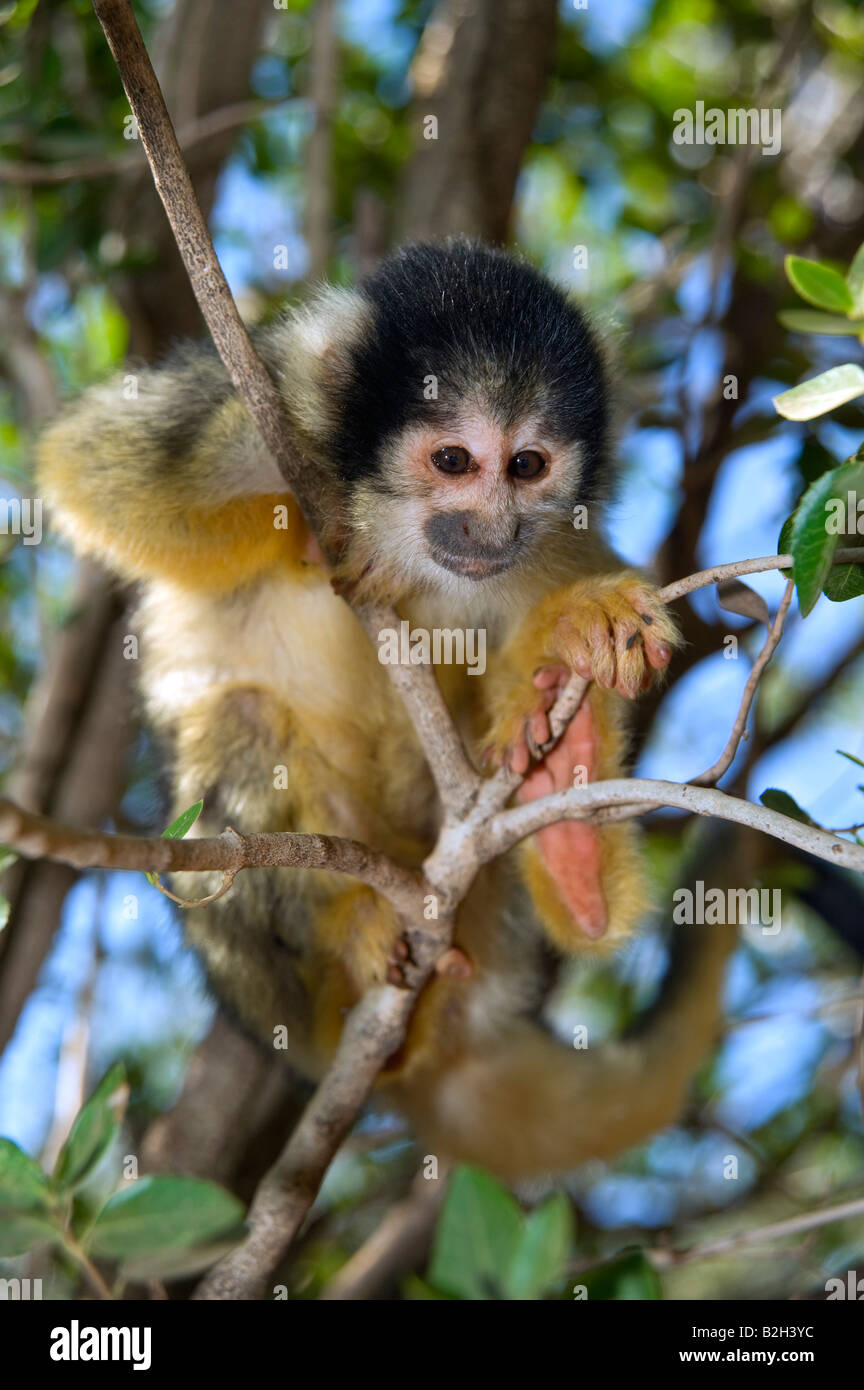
(472, 566)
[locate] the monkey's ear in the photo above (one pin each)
(312, 349)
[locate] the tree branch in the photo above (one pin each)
(37, 837)
(253, 382)
(640, 794)
(373, 1031)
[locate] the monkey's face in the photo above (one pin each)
(467, 504)
(467, 414)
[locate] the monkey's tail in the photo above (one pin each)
(528, 1105)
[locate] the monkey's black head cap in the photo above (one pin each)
(459, 325)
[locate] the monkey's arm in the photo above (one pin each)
(161, 473)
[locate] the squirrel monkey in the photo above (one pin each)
(457, 402)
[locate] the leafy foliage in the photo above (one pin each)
(486, 1248)
(178, 1224)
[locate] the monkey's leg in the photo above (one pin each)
(570, 852)
(586, 882)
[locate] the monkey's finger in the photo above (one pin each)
(520, 758)
(538, 727)
(625, 641)
(589, 644)
(659, 655)
(549, 677)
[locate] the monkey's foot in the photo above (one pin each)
(616, 632)
(571, 852)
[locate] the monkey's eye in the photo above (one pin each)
(452, 459)
(527, 465)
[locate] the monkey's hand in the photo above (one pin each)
(611, 630)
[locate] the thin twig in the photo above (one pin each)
(456, 780)
(100, 165)
(224, 887)
(741, 1240)
(702, 579)
(727, 757)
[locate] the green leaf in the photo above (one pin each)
(855, 280)
(819, 285)
(777, 800)
(184, 822)
(540, 1259)
(163, 1213)
(23, 1185)
(811, 544)
(821, 393)
(478, 1233)
(630, 1278)
(852, 758)
(93, 1130)
(808, 321)
(844, 582)
(22, 1231)
(179, 1264)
